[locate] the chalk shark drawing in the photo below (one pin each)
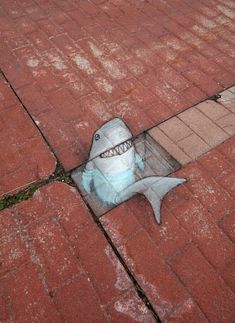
(111, 169)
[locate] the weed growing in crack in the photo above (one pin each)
(59, 175)
(23, 195)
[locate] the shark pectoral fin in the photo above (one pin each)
(154, 189)
(87, 177)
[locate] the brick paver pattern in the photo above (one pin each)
(66, 68)
(76, 64)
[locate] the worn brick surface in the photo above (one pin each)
(56, 264)
(205, 285)
(176, 53)
(25, 157)
(76, 64)
(199, 213)
(27, 297)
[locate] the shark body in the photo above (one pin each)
(111, 169)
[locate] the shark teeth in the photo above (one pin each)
(117, 150)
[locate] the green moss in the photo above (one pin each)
(59, 175)
(25, 194)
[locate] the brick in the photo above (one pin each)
(42, 162)
(72, 212)
(107, 89)
(78, 88)
(193, 146)
(78, 301)
(25, 143)
(45, 79)
(228, 274)
(24, 288)
(34, 99)
(206, 190)
(136, 67)
(120, 223)
(56, 131)
(227, 181)
(141, 95)
(131, 114)
(144, 261)
(129, 307)
(228, 225)
(35, 12)
(158, 112)
(171, 97)
(230, 105)
(204, 284)
(169, 236)
(74, 31)
(4, 310)
(202, 81)
(112, 280)
(39, 41)
(7, 99)
(13, 253)
(189, 311)
(203, 127)
(53, 250)
(227, 123)
(212, 110)
(205, 233)
(175, 129)
(14, 39)
(64, 104)
(26, 25)
(8, 225)
(49, 27)
(169, 145)
(17, 74)
(215, 163)
(227, 149)
(177, 196)
(65, 44)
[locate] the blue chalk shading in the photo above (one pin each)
(106, 186)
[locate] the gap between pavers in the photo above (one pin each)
(25, 157)
(198, 129)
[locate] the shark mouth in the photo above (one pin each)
(117, 150)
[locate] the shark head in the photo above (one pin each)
(112, 147)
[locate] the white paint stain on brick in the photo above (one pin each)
(32, 62)
(226, 11)
(82, 125)
(84, 64)
(162, 306)
(99, 109)
(95, 50)
(133, 308)
(122, 280)
(111, 67)
(103, 84)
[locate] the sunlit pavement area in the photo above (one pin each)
(67, 67)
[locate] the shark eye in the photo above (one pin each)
(97, 136)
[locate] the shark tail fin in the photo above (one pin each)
(154, 189)
(156, 192)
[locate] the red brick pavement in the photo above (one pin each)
(56, 264)
(52, 250)
(77, 63)
(24, 155)
(185, 265)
